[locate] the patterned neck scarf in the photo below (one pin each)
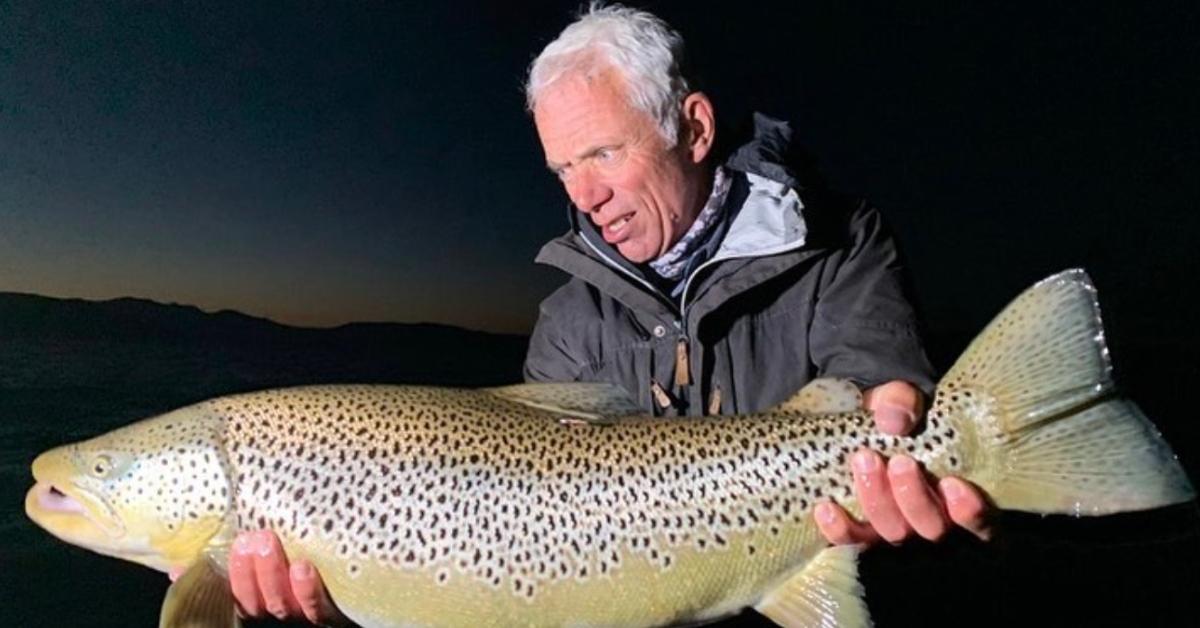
(684, 255)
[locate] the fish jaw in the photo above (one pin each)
(63, 512)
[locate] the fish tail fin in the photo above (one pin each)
(1046, 431)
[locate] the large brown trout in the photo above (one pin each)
(559, 505)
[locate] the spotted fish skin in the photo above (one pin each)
(515, 505)
(425, 506)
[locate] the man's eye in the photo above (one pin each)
(606, 154)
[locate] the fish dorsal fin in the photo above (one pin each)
(826, 593)
(593, 402)
(826, 395)
(200, 598)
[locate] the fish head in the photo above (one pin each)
(157, 492)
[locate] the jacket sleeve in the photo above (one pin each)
(865, 328)
(548, 358)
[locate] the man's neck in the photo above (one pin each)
(703, 187)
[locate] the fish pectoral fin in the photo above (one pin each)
(592, 402)
(201, 597)
(826, 395)
(826, 593)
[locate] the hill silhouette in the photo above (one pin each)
(134, 343)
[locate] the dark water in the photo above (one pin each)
(1136, 569)
(73, 369)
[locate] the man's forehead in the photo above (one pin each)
(577, 114)
(582, 89)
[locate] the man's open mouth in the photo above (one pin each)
(616, 228)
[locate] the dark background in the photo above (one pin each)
(319, 163)
(322, 163)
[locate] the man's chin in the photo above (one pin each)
(634, 253)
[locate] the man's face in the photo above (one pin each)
(616, 166)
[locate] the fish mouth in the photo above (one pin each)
(51, 499)
(65, 509)
(48, 510)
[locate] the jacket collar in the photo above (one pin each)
(769, 221)
(766, 153)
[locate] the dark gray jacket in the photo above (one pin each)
(806, 283)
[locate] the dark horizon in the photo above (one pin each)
(5, 294)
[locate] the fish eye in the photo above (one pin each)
(102, 465)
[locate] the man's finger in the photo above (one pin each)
(918, 502)
(875, 495)
(966, 507)
(242, 578)
(894, 420)
(896, 405)
(839, 528)
(274, 583)
(311, 594)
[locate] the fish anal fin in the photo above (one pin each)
(592, 402)
(201, 597)
(826, 395)
(825, 593)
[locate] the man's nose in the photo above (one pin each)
(587, 192)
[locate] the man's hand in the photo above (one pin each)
(264, 584)
(895, 495)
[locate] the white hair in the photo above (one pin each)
(646, 52)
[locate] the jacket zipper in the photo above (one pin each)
(682, 358)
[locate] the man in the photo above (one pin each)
(699, 288)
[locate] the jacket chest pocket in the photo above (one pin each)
(633, 365)
(762, 359)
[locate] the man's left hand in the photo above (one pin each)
(896, 497)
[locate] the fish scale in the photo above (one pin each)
(561, 505)
(517, 518)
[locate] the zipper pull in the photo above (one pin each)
(714, 401)
(660, 396)
(681, 364)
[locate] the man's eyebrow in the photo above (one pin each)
(591, 152)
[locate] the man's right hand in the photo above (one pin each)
(264, 584)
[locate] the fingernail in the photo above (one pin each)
(952, 490)
(242, 544)
(262, 542)
(892, 425)
(865, 462)
(901, 465)
(302, 570)
(894, 420)
(825, 513)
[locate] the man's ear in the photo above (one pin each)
(699, 126)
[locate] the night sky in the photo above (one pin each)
(319, 163)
